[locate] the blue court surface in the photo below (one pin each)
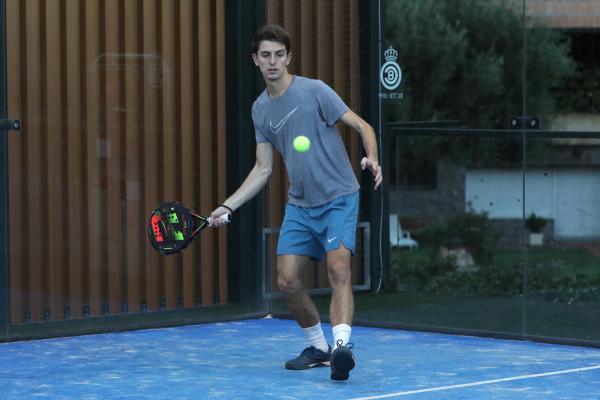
(244, 360)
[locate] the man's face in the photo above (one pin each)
(272, 59)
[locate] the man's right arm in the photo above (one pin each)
(254, 182)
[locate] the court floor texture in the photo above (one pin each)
(244, 360)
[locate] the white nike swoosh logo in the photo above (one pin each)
(332, 239)
(275, 129)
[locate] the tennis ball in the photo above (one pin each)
(301, 144)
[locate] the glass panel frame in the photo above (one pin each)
(4, 229)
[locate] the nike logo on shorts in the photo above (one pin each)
(332, 239)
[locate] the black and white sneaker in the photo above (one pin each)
(342, 361)
(311, 357)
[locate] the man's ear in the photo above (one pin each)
(289, 58)
(255, 59)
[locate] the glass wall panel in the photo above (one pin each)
(562, 177)
(563, 262)
(118, 100)
(455, 167)
(492, 166)
(456, 259)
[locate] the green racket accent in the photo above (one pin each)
(173, 218)
(178, 235)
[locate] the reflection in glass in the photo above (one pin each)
(467, 270)
(563, 264)
(456, 67)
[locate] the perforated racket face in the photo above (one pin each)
(171, 227)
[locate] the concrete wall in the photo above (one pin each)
(446, 200)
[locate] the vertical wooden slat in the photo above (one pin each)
(55, 210)
(271, 256)
(340, 61)
(114, 62)
(74, 156)
(276, 188)
(276, 192)
(153, 67)
(291, 22)
(323, 47)
(339, 50)
(15, 49)
(134, 79)
(273, 204)
(353, 77)
(306, 49)
(206, 58)
(96, 149)
(171, 162)
(273, 11)
(324, 41)
(32, 128)
(188, 155)
(351, 96)
(221, 145)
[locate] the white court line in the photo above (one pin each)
(488, 382)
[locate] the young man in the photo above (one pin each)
(322, 211)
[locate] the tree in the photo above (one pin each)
(463, 60)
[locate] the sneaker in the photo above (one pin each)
(311, 357)
(342, 361)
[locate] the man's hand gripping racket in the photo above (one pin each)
(173, 226)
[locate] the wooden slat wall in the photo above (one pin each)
(123, 106)
(324, 37)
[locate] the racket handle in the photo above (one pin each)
(226, 217)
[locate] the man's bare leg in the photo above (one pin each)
(341, 311)
(289, 273)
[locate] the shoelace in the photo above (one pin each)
(340, 343)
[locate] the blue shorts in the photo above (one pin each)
(315, 231)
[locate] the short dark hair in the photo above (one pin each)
(271, 32)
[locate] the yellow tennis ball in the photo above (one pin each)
(301, 144)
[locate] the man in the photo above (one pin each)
(322, 211)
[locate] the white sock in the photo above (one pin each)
(316, 337)
(341, 335)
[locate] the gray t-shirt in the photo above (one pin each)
(311, 108)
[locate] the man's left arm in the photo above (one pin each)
(367, 134)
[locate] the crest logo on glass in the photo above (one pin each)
(390, 74)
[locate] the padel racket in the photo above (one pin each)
(173, 226)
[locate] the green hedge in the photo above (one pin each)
(564, 276)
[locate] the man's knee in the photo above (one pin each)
(289, 271)
(288, 283)
(338, 266)
(339, 272)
